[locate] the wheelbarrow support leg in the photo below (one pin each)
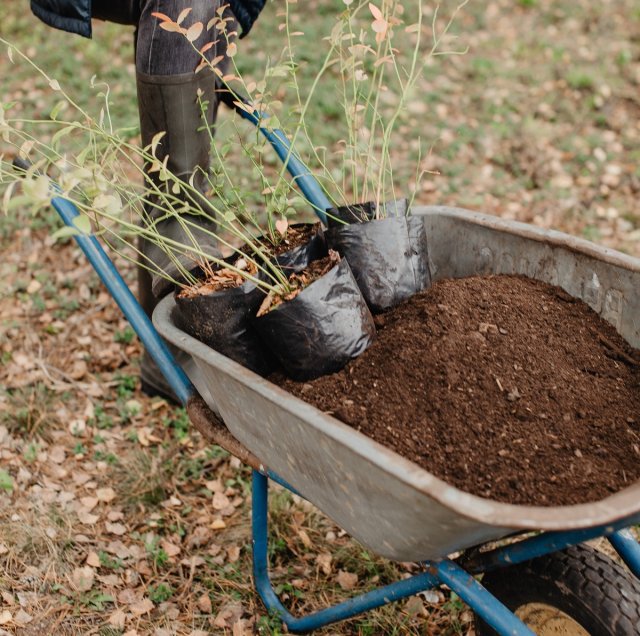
(628, 549)
(483, 603)
(480, 600)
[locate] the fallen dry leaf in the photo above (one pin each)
(170, 548)
(304, 537)
(82, 578)
(415, 607)
(85, 517)
(33, 286)
(228, 615)
(106, 494)
(89, 503)
(204, 604)
(115, 528)
(346, 580)
(199, 537)
(238, 628)
(57, 454)
(324, 561)
(22, 617)
(118, 619)
(93, 559)
(233, 553)
(129, 597)
(214, 485)
(110, 580)
(220, 501)
(5, 617)
(141, 607)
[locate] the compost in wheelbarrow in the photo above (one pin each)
(505, 387)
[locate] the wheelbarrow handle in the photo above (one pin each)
(301, 174)
(106, 270)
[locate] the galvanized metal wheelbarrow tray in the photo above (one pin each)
(390, 504)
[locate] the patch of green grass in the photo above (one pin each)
(101, 419)
(66, 308)
(110, 562)
(125, 336)
(109, 458)
(178, 423)
(31, 407)
(6, 481)
(30, 453)
(580, 79)
(156, 554)
(592, 233)
(160, 593)
(96, 600)
(126, 385)
(142, 477)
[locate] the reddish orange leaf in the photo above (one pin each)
(161, 16)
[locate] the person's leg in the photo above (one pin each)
(168, 101)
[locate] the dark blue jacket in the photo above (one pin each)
(75, 15)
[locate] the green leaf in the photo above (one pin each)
(57, 109)
(6, 481)
(65, 232)
(60, 133)
(82, 156)
(110, 203)
(18, 201)
(82, 223)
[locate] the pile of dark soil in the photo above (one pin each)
(505, 387)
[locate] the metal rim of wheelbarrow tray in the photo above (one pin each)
(517, 517)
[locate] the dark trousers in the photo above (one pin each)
(161, 52)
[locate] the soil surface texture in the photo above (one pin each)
(296, 235)
(505, 387)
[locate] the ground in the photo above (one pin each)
(115, 517)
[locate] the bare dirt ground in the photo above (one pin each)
(115, 517)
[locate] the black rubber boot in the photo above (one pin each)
(171, 104)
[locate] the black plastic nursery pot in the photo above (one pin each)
(223, 321)
(296, 259)
(322, 328)
(363, 212)
(388, 256)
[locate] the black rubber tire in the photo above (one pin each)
(596, 592)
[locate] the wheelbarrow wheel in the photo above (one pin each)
(576, 592)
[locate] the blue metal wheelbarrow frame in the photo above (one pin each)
(458, 575)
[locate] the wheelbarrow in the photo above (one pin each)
(542, 580)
